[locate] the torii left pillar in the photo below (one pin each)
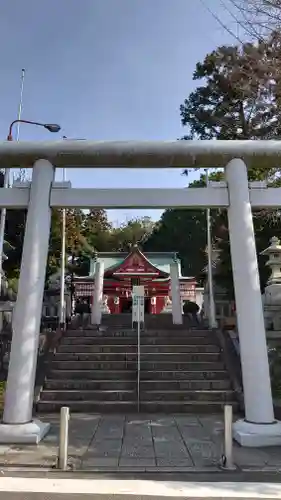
(18, 425)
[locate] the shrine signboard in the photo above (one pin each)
(138, 304)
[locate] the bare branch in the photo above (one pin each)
(259, 17)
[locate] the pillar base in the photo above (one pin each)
(257, 435)
(31, 433)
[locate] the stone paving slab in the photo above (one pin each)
(139, 442)
(137, 462)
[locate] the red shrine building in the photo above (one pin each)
(123, 270)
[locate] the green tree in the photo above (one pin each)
(134, 231)
(14, 236)
(97, 230)
(184, 231)
(267, 223)
(96, 234)
(238, 97)
(75, 240)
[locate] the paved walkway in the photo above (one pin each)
(146, 442)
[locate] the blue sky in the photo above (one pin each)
(106, 70)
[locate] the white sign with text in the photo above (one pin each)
(138, 304)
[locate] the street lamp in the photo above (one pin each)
(51, 127)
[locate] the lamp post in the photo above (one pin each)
(22, 171)
(51, 127)
(211, 306)
(62, 315)
(62, 270)
(62, 277)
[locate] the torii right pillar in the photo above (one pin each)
(259, 428)
(96, 314)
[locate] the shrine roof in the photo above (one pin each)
(160, 260)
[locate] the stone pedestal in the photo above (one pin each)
(254, 435)
(30, 433)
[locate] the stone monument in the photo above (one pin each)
(167, 309)
(104, 307)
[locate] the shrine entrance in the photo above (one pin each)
(147, 305)
(126, 305)
(235, 194)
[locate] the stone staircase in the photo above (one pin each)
(96, 371)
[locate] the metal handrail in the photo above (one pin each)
(139, 353)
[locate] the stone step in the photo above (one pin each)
(178, 348)
(175, 340)
(94, 365)
(184, 385)
(92, 374)
(128, 332)
(182, 395)
(101, 333)
(111, 340)
(94, 385)
(101, 357)
(110, 348)
(132, 375)
(178, 332)
(145, 357)
(184, 375)
(88, 406)
(131, 365)
(89, 341)
(178, 357)
(146, 385)
(88, 395)
(131, 395)
(120, 348)
(195, 407)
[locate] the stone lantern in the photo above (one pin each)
(272, 292)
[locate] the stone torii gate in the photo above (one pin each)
(259, 427)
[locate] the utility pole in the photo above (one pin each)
(212, 307)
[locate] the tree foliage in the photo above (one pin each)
(184, 231)
(238, 97)
(14, 233)
(134, 231)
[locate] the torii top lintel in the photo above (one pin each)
(144, 154)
